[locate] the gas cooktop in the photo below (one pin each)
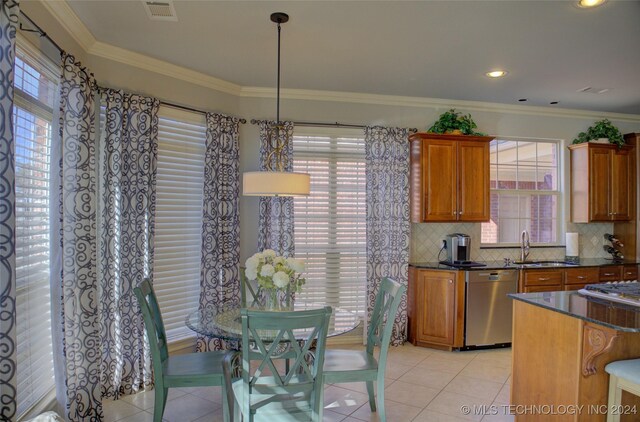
(618, 291)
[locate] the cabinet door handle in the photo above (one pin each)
(609, 274)
(581, 277)
(629, 273)
(543, 279)
(450, 281)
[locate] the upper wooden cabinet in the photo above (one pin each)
(602, 183)
(449, 178)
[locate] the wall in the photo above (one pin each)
(299, 105)
(426, 239)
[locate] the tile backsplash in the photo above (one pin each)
(426, 239)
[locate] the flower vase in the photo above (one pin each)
(271, 300)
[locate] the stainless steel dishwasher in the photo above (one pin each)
(489, 311)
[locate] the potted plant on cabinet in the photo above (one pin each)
(455, 123)
(602, 129)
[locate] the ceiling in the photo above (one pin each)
(434, 49)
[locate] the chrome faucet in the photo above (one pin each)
(524, 246)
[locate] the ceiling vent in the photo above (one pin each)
(160, 10)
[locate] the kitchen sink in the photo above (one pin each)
(543, 264)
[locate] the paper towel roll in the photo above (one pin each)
(572, 244)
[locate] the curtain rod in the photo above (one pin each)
(335, 124)
(38, 31)
(181, 107)
(43, 34)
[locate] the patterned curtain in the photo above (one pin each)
(8, 22)
(128, 162)
(219, 278)
(275, 224)
(387, 155)
(77, 287)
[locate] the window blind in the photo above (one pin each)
(330, 224)
(178, 239)
(35, 85)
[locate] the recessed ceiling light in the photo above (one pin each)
(496, 73)
(590, 3)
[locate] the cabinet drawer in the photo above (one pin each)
(542, 278)
(540, 289)
(610, 273)
(630, 272)
(581, 275)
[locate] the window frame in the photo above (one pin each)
(332, 156)
(23, 100)
(558, 193)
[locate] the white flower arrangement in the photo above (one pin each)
(275, 272)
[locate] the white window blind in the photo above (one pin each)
(330, 230)
(180, 180)
(35, 85)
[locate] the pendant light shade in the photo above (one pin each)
(275, 181)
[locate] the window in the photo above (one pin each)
(330, 224)
(524, 192)
(35, 87)
(178, 237)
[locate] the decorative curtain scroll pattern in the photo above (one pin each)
(78, 284)
(8, 21)
(387, 155)
(275, 224)
(127, 226)
(219, 278)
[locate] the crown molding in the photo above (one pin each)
(437, 103)
(63, 13)
(141, 61)
(81, 34)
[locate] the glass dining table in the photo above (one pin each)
(225, 322)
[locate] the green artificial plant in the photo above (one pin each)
(601, 129)
(453, 120)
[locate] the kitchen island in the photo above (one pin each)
(561, 344)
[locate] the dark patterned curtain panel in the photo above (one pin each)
(387, 160)
(8, 22)
(77, 287)
(275, 224)
(219, 279)
(128, 162)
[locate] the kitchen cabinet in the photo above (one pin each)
(602, 182)
(449, 178)
(577, 278)
(610, 273)
(436, 308)
(547, 280)
(629, 272)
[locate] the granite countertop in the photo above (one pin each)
(499, 265)
(599, 311)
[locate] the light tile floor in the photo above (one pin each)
(422, 385)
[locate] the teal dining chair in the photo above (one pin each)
(189, 370)
(262, 389)
(342, 366)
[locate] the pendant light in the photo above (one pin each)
(275, 181)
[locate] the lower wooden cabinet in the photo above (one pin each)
(549, 280)
(577, 278)
(436, 308)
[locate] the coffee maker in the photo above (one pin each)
(458, 248)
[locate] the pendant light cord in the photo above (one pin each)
(278, 83)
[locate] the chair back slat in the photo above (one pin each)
(384, 313)
(248, 291)
(153, 324)
(270, 337)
